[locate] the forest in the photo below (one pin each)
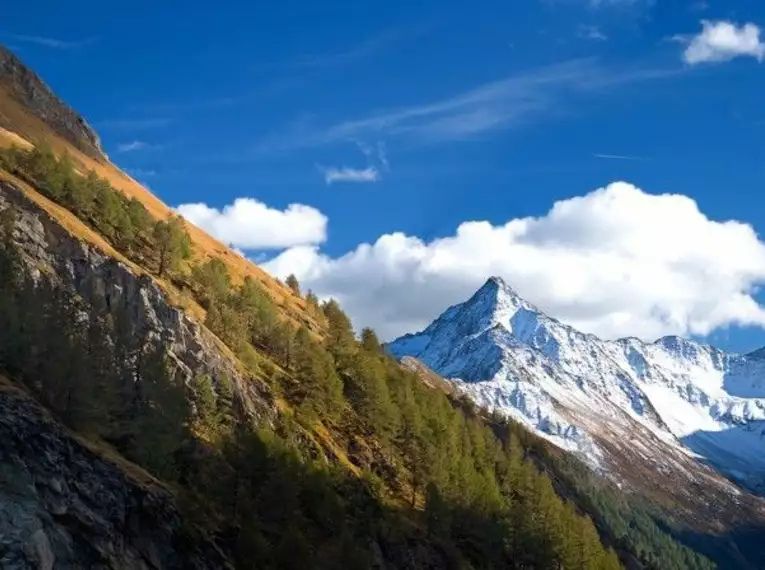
(445, 487)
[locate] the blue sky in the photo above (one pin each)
(416, 117)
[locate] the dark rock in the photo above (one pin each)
(27, 87)
(63, 506)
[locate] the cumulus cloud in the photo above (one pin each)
(723, 41)
(250, 224)
(615, 262)
(346, 174)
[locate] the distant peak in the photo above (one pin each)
(498, 287)
(497, 300)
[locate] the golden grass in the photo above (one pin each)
(8, 138)
(326, 441)
(22, 128)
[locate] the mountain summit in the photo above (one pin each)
(673, 400)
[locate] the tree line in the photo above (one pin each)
(158, 244)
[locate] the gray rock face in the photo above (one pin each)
(50, 252)
(64, 507)
(35, 95)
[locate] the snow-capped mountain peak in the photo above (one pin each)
(579, 391)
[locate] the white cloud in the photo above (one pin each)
(615, 262)
(505, 103)
(346, 174)
(723, 41)
(131, 146)
(250, 224)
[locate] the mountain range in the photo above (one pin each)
(669, 402)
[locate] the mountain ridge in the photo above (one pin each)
(34, 94)
(513, 358)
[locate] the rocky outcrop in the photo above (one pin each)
(27, 87)
(51, 252)
(64, 507)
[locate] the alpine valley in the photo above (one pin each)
(672, 417)
(166, 404)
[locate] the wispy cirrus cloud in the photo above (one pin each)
(346, 174)
(501, 104)
(591, 33)
(377, 163)
(604, 156)
(132, 146)
(363, 50)
(54, 43)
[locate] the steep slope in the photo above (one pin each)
(630, 408)
(20, 83)
(31, 113)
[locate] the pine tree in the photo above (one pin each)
(319, 389)
(173, 244)
(340, 340)
(213, 280)
(204, 400)
(293, 284)
(370, 342)
(163, 414)
(312, 302)
(369, 393)
(224, 402)
(139, 215)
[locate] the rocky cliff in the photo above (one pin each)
(62, 503)
(64, 506)
(28, 89)
(51, 252)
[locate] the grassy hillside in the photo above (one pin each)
(21, 128)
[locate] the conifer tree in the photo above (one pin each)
(320, 389)
(340, 340)
(161, 424)
(214, 281)
(293, 284)
(173, 244)
(312, 301)
(370, 342)
(204, 400)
